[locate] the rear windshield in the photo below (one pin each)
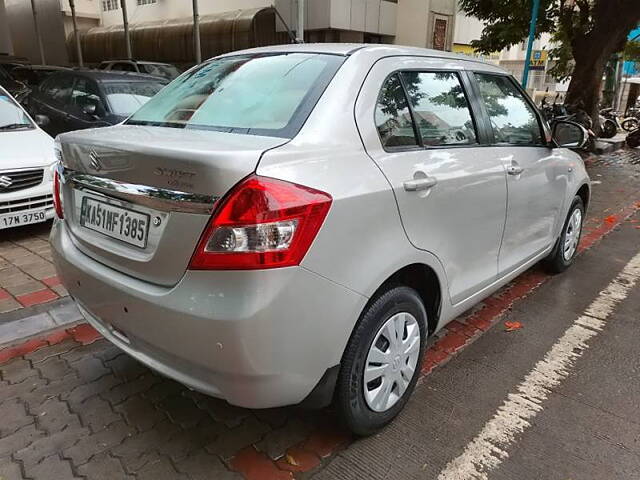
(255, 94)
(126, 98)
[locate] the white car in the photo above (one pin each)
(26, 167)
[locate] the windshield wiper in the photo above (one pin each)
(15, 126)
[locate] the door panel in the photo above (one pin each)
(536, 178)
(50, 100)
(450, 195)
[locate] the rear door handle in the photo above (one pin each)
(514, 169)
(419, 184)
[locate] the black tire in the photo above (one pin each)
(609, 129)
(556, 261)
(630, 124)
(633, 139)
(350, 400)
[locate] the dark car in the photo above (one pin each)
(157, 69)
(78, 99)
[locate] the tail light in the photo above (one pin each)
(261, 223)
(57, 197)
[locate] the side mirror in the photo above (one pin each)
(90, 108)
(42, 120)
(570, 134)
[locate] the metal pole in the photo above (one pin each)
(196, 32)
(300, 31)
(37, 29)
(125, 20)
(532, 35)
(72, 5)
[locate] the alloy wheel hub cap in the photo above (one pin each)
(391, 361)
(572, 235)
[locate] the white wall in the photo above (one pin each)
(467, 29)
(416, 20)
(371, 16)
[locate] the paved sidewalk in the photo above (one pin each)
(27, 274)
(73, 406)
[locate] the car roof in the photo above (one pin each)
(111, 76)
(42, 67)
(147, 62)
(377, 51)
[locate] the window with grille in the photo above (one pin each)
(108, 5)
(146, 2)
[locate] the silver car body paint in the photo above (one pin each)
(265, 338)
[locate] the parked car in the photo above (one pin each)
(78, 99)
(288, 224)
(157, 69)
(26, 167)
(33, 75)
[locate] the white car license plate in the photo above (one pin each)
(17, 219)
(120, 223)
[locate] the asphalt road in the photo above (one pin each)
(473, 419)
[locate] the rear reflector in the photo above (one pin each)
(261, 223)
(57, 198)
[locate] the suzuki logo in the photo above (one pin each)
(5, 182)
(94, 161)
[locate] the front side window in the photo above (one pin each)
(127, 97)
(123, 67)
(86, 98)
(513, 120)
(440, 108)
(254, 94)
(393, 117)
(159, 70)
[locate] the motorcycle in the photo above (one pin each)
(632, 122)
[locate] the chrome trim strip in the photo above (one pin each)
(153, 197)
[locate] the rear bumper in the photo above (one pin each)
(258, 339)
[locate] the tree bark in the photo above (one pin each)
(591, 52)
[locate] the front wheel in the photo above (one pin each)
(630, 124)
(382, 360)
(566, 248)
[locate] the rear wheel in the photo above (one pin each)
(609, 129)
(380, 365)
(566, 247)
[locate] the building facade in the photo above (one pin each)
(426, 23)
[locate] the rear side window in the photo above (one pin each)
(440, 108)
(393, 117)
(513, 120)
(256, 94)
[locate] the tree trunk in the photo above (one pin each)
(586, 82)
(591, 52)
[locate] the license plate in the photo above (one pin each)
(17, 219)
(116, 222)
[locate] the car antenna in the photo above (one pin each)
(292, 37)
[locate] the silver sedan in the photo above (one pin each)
(288, 224)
